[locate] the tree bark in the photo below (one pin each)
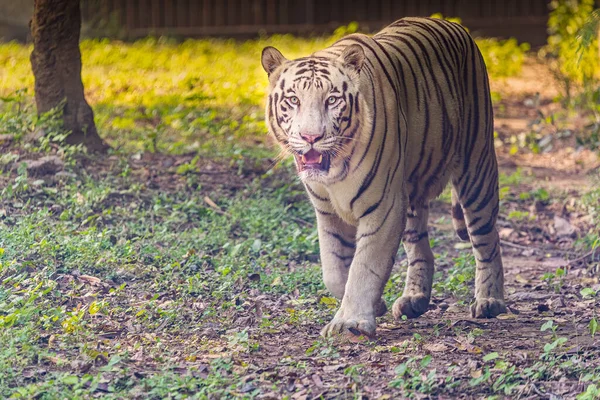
(56, 65)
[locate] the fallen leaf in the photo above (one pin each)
(214, 205)
(519, 278)
(504, 233)
(56, 360)
(476, 373)
(506, 316)
(329, 301)
(317, 380)
(90, 279)
(333, 368)
(563, 227)
(276, 281)
(435, 347)
(474, 349)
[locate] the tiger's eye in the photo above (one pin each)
(294, 100)
(331, 100)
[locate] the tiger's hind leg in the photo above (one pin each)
(479, 200)
(419, 278)
(458, 218)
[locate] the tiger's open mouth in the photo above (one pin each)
(312, 160)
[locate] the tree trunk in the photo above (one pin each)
(56, 65)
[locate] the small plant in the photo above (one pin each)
(460, 277)
(412, 375)
(555, 280)
(591, 392)
(354, 372)
(550, 325)
(241, 340)
(589, 293)
(323, 348)
(520, 216)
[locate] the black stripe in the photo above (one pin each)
(383, 221)
(342, 241)
(413, 236)
(316, 196)
(418, 260)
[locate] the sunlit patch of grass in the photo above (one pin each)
(167, 95)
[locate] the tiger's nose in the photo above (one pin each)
(311, 138)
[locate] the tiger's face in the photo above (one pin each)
(312, 107)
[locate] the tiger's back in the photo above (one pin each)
(435, 77)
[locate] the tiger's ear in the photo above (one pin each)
(271, 59)
(353, 56)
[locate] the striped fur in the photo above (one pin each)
(414, 113)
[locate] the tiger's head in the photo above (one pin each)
(313, 107)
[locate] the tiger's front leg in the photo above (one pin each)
(377, 241)
(337, 242)
(337, 246)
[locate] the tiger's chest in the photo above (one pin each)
(341, 206)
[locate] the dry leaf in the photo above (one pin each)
(474, 349)
(435, 347)
(506, 316)
(563, 227)
(92, 280)
(519, 278)
(333, 368)
(214, 205)
(276, 281)
(317, 380)
(476, 373)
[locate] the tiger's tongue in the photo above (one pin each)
(312, 157)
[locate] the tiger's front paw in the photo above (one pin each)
(411, 306)
(351, 323)
(487, 307)
(350, 327)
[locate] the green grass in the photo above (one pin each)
(165, 261)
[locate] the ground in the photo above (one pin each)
(148, 274)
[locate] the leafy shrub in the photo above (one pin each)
(503, 58)
(574, 65)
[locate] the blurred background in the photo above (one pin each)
(523, 19)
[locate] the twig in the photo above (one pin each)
(467, 321)
(517, 246)
(212, 172)
(547, 395)
(538, 391)
(521, 247)
(301, 221)
(215, 207)
(582, 258)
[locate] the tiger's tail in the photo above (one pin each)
(458, 218)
